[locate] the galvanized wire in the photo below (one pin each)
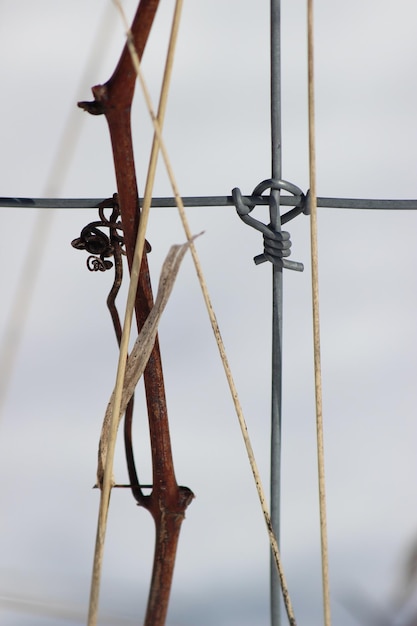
(277, 303)
(215, 201)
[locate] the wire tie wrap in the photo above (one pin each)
(277, 243)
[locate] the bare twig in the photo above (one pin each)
(168, 501)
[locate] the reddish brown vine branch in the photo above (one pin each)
(168, 501)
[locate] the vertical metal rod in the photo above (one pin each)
(276, 387)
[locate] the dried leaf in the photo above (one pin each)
(142, 349)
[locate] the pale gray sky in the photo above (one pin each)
(217, 132)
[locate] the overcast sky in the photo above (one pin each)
(217, 133)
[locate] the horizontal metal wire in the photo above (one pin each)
(210, 201)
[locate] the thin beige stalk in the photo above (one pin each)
(316, 317)
(216, 330)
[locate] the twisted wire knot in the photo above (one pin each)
(277, 244)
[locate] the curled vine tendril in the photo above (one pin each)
(102, 246)
(97, 243)
(96, 264)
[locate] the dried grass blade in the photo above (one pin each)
(142, 349)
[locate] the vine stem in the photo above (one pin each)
(135, 269)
